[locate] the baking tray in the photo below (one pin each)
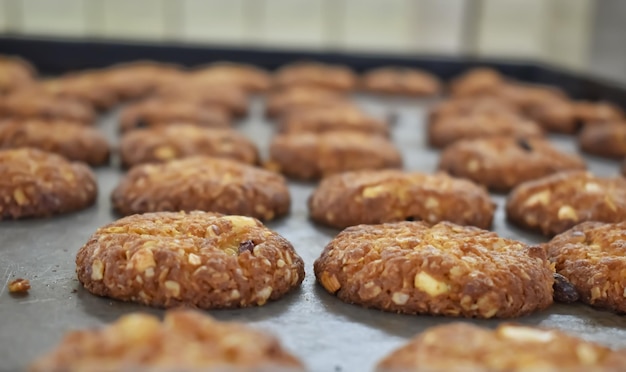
(327, 334)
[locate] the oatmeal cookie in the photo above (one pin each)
(155, 145)
(309, 156)
(202, 183)
(401, 81)
(501, 163)
(510, 347)
(606, 139)
(598, 112)
(463, 106)
(592, 256)
(15, 73)
(555, 203)
(162, 112)
(72, 140)
(137, 79)
(371, 197)
(250, 78)
(319, 120)
(296, 98)
(446, 269)
(186, 340)
(46, 107)
(329, 76)
(476, 81)
(197, 259)
(40, 184)
(231, 98)
(447, 130)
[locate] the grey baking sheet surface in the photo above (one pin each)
(327, 334)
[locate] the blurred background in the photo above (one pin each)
(581, 35)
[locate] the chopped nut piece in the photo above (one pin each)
(19, 285)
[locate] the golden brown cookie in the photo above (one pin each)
(501, 163)
(72, 140)
(446, 130)
(247, 77)
(325, 119)
(446, 269)
(231, 98)
(401, 81)
(592, 256)
(476, 81)
(598, 112)
(196, 259)
(296, 98)
(46, 107)
(604, 139)
(309, 156)
(15, 73)
(186, 340)
(166, 143)
(510, 347)
(334, 77)
(555, 203)
(202, 183)
(139, 78)
(458, 107)
(372, 197)
(157, 112)
(34, 183)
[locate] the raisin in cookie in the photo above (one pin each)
(555, 203)
(447, 130)
(319, 120)
(509, 347)
(592, 256)
(335, 77)
(198, 259)
(72, 140)
(40, 184)
(372, 197)
(160, 144)
(446, 269)
(185, 341)
(309, 156)
(161, 112)
(401, 81)
(501, 163)
(607, 139)
(202, 183)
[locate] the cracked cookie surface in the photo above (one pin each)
(446, 269)
(200, 259)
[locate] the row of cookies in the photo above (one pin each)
(189, 340)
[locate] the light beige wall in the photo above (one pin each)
(556, 31)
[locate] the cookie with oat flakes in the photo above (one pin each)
(445, 269)
(199, 259)
(34, 183)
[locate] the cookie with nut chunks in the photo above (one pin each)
(288, 99)
(197, 259)
(334, 77)
(604, 139)
(401, 81)
(45, 107)
(372, 197)
(326, 119)
(555, 203)
(445, 269)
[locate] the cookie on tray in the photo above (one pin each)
(555, 203)
(250, 78)
(501, 163)
(476, 81)
(325, 119)
(295, 98)
(401, 81)
(310, 156)
(445, 269)
(186, 340)
(447, 130)
(604, 139)
(16, 73)
(45, 107)
(371, 197)
(137, 79)
(162, 112)
(463, 106)
(598, 112)
(155, 145)
(592, 256)
(197, 259)
(231, 98)
(335, 77)
(41, 184)
(202, 183)
(72, 140)
(509, 347)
